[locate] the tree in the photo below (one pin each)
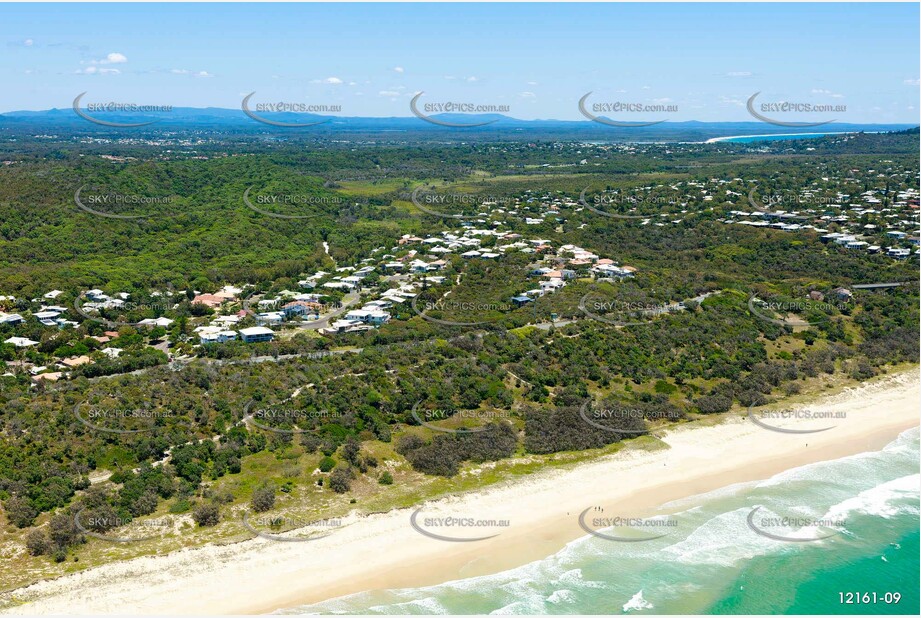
(350, 450)
(263, 498)
(327, 464)
(20, 512)
(386, 478)
(37, 543)
(340, 481)
(206, 515)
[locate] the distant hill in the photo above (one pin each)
(499, 126)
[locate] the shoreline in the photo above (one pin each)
(714, 140)
(384, 551)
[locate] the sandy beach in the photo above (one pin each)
(385, 551)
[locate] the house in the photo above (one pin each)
(520, 301)
(11, 318)
(256, 334)
(161, 321)
(300, 307)
(270, 317)
(21, 342)
(898, 253)
(842, 294)
(209, 300)
(112, 352)
(344, 326)
(75, 361)
(53, 294)
(553, 285)
(221, 336)
(374, 317)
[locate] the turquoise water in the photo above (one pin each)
(747, 139)
(712, 562)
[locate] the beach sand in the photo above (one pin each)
(385, 551)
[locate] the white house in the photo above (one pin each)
(255, 334)
(21, 342)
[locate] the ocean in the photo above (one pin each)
(747, 139)
(713, 561)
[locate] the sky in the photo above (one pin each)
(536, 59)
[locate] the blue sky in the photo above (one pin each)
(538, 59)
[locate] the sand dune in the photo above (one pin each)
(385, 551)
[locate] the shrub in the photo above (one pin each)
(327, 464)
(20, 512)
(37, 543)
(409, 442)
(386, 478)
(206, 515)
(350, 450)
(340, 481)
(263, 498)
(713, 404)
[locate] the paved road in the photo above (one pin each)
(348, 301)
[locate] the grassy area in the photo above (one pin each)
(305, 501)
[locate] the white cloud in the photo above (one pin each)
(472, 79)
(527, 95)
(28, 42)
(192, 73)
(739, 74)
(332, 80)
(833, 95)
(912, 82)
(532, 84)
(662, 100)
(113, 58)
(97, 71)
(398, 69)
(732, 101)
(389, 93)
